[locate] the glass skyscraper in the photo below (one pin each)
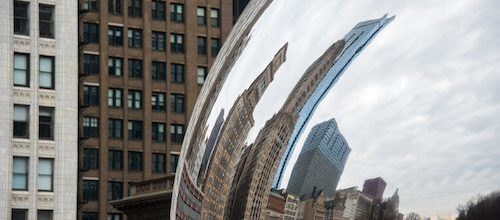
(355, 41)
(321, 161)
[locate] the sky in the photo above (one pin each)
(419, 106)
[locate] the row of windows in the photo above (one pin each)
(158, 69)
(45, 19)
(45, 122)
(22, 71)
(115, 99)
(158, 39)
(134, 128)
(158, 11)
(115, 188)
(135, 160)
(20, 174)
(22, 214)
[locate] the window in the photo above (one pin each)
(177, 103)
(46, 22)
(158, 10)
(89, 5)
(19, 214)
(115, 160)
(46, 72)
(159, 132)
(176, 133)
(134, 8)
(89, 216)
(44, 215)
(214, 17)
(90, 127)
(177, 12)
(115, 98)
(46, 123)
(20, 173)
(90, 95)
(21, 121)
(134, 99)
(158, 41)
(115, 7)
(90, 33)
(177, 73)
(115, 190)
(201, 16)
(201, 75)
(114, 216)
(115, 36)
(202, 46)
(135, 68)
(158, 101)
(90, 159)
(90, 190)
(115, 128)
(90, 64)
(21, 69)
(115, 66)
(175, 160)
(215, 46)
(134, 130)
(134, 161)
(176, 43)
(21, 18)
(158, 70)
(159, 163)
(45, 174)
(134, 38)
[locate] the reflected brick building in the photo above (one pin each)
(230, 142)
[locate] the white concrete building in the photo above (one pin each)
(38, 109)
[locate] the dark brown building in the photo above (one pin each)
(142, 64)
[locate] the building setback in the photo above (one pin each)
(142, 65)
(351, 203)
(321, 161)
(38, 135)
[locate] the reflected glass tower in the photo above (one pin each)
(321, 161)
(355, 41)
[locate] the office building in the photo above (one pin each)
(352, 204)
(38, 139)
(354, 43)
(142, 65)
(312, 208)
(321, 161)
(375, 187)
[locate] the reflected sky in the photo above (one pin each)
(418, 106)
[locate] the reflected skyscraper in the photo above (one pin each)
(321, 161)
(355, 41)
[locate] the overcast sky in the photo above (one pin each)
(419, 107)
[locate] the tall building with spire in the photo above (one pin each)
(321, 161)
(231, 141)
